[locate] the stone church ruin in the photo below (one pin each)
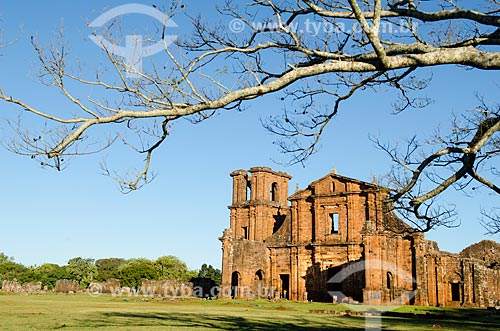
(334, 241)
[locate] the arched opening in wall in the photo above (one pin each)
(333, 187)
(389, 280)
(390, 285)
(274, 192)
(249, 191)
(235, 280)
(259, 290)
(279, 219)
(455, 291)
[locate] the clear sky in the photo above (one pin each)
(51, 217)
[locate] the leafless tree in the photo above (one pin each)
(465, 159)
(307, 50)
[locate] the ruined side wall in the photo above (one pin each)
(244, 258)
(67, 286)
(389, 262)
(462, 280)
(166, 287)
(13, 286)
(111, 286)
(486, 285)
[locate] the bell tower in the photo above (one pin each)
(258, 209)
(259, 204)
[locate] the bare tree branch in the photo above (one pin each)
(284, 47)
(418, 179)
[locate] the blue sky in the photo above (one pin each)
(52, 217)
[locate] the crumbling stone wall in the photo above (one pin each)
(166, 287)
(486, 251)
(13, 286)
(486, 286)
(32, 288)
(112, 286)
(470, 279)
(67, 286)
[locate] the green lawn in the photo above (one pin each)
(81, 312)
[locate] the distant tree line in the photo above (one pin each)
(130, 272)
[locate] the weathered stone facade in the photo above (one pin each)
(166, 287)
(335, 241)
(13, 286)
(67, 286)
(111, 286)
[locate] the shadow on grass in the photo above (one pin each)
(197, 321)
(448, 318)
(459, 319)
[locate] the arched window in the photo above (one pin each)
(259, 275)
(333, 187)
(389, 280)
(390, 285)
(249, 191)
(274, 191)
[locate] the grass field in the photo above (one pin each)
(83, 312)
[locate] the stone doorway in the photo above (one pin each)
(285, 286)
(235, 281)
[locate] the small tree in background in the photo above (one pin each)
(82, 270)
(5, 258)
(49, 273)
(207, 271)
(10, 270)
(171, 267)
(134, 271)
(108, 268)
